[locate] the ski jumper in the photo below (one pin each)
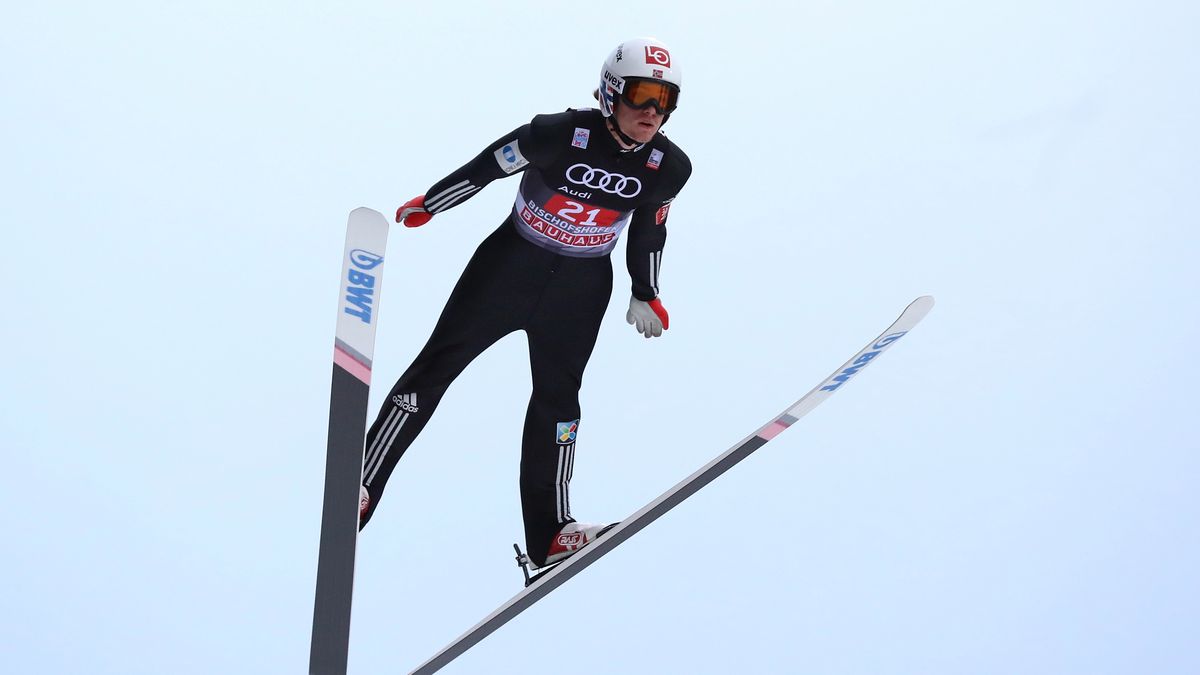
(546, 270)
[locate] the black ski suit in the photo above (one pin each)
(545, 270)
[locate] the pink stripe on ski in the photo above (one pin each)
(351, 365)
(771, 430)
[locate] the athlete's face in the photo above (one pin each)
(640, 125)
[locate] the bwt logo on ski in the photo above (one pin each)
(861, 362)
(360, 286)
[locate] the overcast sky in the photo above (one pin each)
(1010, 489)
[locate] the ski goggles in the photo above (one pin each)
(641, 94)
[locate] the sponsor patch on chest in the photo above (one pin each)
(655, 159)
(613, 183)
(581, 138)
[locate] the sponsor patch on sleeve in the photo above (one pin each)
(661, 216)
(510, 158)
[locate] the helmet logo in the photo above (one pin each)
(599, 179)
(659, 55)
(614, 81)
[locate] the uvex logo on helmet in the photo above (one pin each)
(615, 82)
(599, 179)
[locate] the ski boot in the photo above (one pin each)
(571, 538)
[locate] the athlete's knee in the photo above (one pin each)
(557, 391)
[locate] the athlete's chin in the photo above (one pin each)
(644, 133)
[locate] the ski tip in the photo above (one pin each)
(917, 309)
(363, 213)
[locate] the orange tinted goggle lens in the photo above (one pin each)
(642, 93)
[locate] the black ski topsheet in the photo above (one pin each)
(339, 525)
(547, 582)
(361, 282)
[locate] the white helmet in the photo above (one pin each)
(644, 60)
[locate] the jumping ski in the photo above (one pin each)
(354, 345)
(542, 584)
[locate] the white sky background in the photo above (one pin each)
(1012, 488)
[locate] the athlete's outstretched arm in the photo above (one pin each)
(500, 159)
(511, 153)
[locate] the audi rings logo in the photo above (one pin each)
(599, 179)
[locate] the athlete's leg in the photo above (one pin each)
(562, 333)
(490, 300)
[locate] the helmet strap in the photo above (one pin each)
(625, 138)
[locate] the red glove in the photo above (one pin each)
(661, 311)
(650, 318)
(413, 213)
